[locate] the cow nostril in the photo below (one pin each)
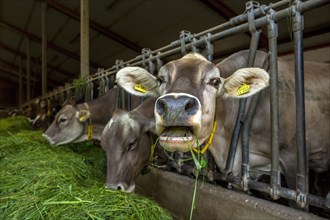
(191, 106)
(161, 106)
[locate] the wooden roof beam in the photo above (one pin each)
(49, 45)
(54, 68)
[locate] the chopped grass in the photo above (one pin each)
(13, 125)
(39, 181)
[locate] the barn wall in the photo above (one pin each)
(174, 192)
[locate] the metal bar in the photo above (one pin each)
(84, 38)
(20, 82)
(246, 127)
(44, 48)
(302, 160)
(28, 71)
(226, 12)
(263, 187)
(275, 180)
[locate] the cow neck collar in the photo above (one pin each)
(89, 125)
(209, 142)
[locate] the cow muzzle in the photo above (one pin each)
(178, 121)
(121, 186)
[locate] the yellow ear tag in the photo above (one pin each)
(140, 88)
(82, 117)
(89, 132)
(245, 88)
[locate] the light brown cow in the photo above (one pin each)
(127, 141)
(72, 121)
(193, 95)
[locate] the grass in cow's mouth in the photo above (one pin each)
(40, 181)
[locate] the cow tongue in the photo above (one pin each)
(177, 139)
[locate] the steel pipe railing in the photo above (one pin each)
(275, 180)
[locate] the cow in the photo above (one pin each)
(127, 140)
(192, 95)
(85, 121)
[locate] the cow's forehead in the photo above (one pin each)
(195, 56)
(194, 67)
(67, 109)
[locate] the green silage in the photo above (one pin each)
(40, 181)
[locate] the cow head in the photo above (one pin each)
(126, 141)
(68, 125)
(188, 89)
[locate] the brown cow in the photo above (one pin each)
(72, 122)
(127, 141)
(193, 95)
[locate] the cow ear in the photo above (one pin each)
(137, 81)
(245, 82)
(83, 115)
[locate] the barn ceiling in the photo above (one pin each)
(119, 29)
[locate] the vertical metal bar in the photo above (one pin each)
(20, 82)
(302, 162)
(242, 103)
(252, 54)
(275, 180)
(44, 47)
(84, 38)
(128, 96)
(28, 71)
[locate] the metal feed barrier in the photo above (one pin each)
(255, 17)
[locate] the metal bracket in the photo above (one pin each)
(272, 26)
(159, 61)
(208, 50)
(146, 54)
(185, 37)
(119, 64)
(297, 18)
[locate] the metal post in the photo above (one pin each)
(275, 180)
(44, 47)
(28, 71)
(302, 160)
(20, 82)
(84, 38)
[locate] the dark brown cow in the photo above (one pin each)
(72, 121)
(127, 141)
(193, 95)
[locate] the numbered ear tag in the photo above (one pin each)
(140, 88)
(89, 132)
(245, 88)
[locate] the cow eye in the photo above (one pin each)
(131, 144)
(160, 80)
(62, 119)
(215, 82)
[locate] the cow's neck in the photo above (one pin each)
(225, 117)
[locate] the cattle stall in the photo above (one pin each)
(253, 20)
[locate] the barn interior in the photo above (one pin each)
(44, 37)
(45, 45)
